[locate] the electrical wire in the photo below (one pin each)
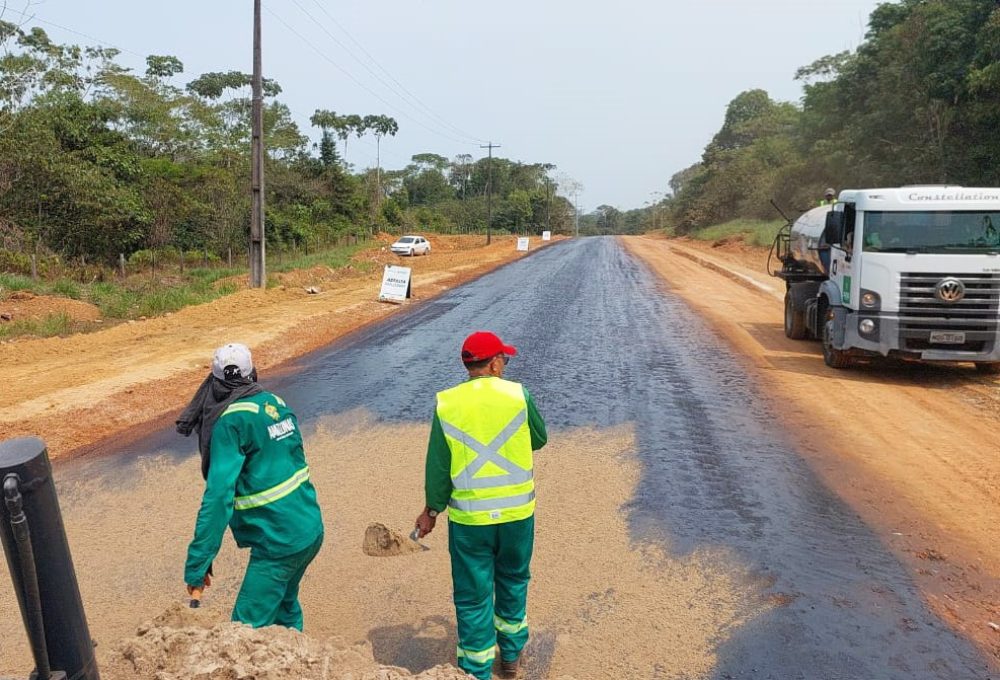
(375, 75)
(374, 61)
(35, 17)
(360, 84)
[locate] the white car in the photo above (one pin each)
(411, 245)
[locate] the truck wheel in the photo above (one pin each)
(795, 320)
(832, 357)
(987, 368)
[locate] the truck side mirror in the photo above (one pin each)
(835, 224)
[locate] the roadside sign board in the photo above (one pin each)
(395, 284)
(522, 243)
(546, 235)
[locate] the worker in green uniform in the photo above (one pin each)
(257, 483)
(480, 467)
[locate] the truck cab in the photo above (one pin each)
(912, 272)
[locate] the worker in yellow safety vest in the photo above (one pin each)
(480, 467)
(829, 197)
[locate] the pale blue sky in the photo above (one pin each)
(619, 95)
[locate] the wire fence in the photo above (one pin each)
(168, 259)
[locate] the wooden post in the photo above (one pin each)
(34, 267)
(121, 264)
(182, 260)
(229, 257)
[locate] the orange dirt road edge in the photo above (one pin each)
(80, 391)
(913, 449)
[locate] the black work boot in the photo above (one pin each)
(509, 669)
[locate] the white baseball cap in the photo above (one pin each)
(233, 354)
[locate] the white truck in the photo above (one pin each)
(911, 272)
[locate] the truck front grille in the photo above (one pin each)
(976, 314)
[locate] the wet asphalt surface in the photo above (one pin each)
(602, 343)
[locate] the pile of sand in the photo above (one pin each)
(196, 644)
(381, 541)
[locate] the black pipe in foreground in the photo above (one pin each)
(67, 638)
(31, 606)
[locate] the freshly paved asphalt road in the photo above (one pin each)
(604, 343)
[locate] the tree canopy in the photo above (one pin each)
(97, 160)
(917, 102)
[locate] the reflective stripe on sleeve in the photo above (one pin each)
(273, 494)
(242, 407)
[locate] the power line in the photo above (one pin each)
(374, 61)
(361, 84)
(403, 97)
(31, 17)
(489, 195)
(35, 17)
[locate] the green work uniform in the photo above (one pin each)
(258, 484)
(479, 464)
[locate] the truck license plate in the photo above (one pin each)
(947, 338)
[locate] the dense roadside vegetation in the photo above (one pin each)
(97, 161)
(917, 103)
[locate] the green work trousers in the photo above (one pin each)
(270, 592)
(490, 569)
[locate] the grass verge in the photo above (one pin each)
(759, 233)
(143, 295)
(46, 327)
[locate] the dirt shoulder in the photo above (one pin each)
(76, 391)
(913, 449)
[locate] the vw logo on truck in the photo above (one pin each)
(949, 290)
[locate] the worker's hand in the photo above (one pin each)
(425, 523)
(208, 582)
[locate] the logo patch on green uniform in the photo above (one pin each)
(272, 411)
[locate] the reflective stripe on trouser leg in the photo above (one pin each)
(472, 556)
(515, 542)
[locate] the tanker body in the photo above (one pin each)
(912, 272)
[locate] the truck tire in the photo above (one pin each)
(988, 368)
(795, 320)
(832, 357)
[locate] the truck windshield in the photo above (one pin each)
(932, 232)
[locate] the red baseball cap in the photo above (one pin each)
(483, 345)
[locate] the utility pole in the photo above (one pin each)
(257, 254)
(576, 214)
(548, 202)
(489, 192)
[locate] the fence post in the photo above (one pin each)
(34, 267)
(121, 264)
(182, 260)
(152, 259)
(229, 257)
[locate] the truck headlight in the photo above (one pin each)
(866, 326)
(869, 299)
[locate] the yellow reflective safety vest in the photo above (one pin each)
(485, 422)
